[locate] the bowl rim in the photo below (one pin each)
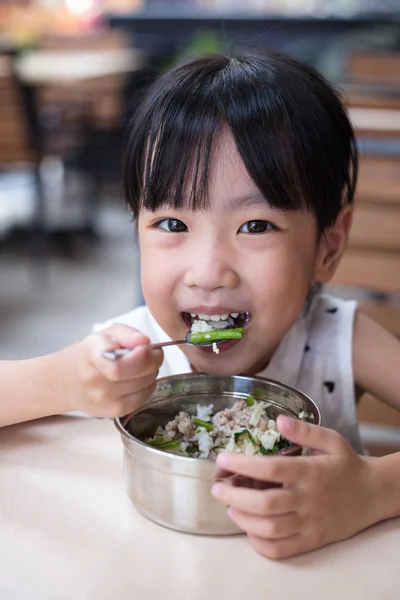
(125, 434)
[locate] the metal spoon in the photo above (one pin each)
(188, 340)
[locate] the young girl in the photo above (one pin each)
(241, 173)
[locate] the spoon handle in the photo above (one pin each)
(120, 352)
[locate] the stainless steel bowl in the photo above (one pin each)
(173, 490)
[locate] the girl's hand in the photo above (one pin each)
(325, 497)
(106, 388)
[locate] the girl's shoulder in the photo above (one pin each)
(327, 304)
(330, 314)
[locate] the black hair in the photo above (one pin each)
(289, 125)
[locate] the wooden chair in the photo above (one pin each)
(86, 113)
(18, 149)
(99, 100)
(371, 262)
(373, 68)
(16, 141)
(15, 144)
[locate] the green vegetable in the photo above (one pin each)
(237, 435)
(159, 439)
(283, 443)
(201, 423)
(272, 451)
(170, 445)
(199, 337)
(192, 449)
(250, 400)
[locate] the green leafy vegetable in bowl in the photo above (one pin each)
(244, 428)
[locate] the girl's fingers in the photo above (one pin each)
(275, 469)
(275, 527)
(122, 336)
(123, 389)
(133, 401)
(257, 502)
(140, 362)
(280, 548)
(316, 438)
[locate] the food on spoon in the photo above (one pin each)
(244, 428)
(199, 337)
(216, 328)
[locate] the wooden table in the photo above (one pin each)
(69, 532)
(40, 67)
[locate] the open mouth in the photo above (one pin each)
(202, 322)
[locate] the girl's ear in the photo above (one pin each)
(332, 245)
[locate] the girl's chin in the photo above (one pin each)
(214, 369)
(221, 364)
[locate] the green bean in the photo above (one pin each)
(169, 445)
(199, 337)
(201, 423)
(237, 435)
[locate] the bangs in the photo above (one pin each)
(172, 143)
(289, 127)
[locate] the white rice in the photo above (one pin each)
(204, 412)
(242, 428)
(215, 348)
(199, 326)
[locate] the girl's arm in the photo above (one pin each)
(30, 389)
(326, 497)
(79, 378)
(376, 363)
(332, 494)
(376, 360)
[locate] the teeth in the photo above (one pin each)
(215, 318)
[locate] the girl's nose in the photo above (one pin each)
(212, 268)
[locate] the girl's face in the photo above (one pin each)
(238, 256)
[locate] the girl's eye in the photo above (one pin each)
(257, 226)
(172, 226)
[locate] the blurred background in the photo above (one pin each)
(71, 72)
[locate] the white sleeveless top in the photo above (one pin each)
(315, 357)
